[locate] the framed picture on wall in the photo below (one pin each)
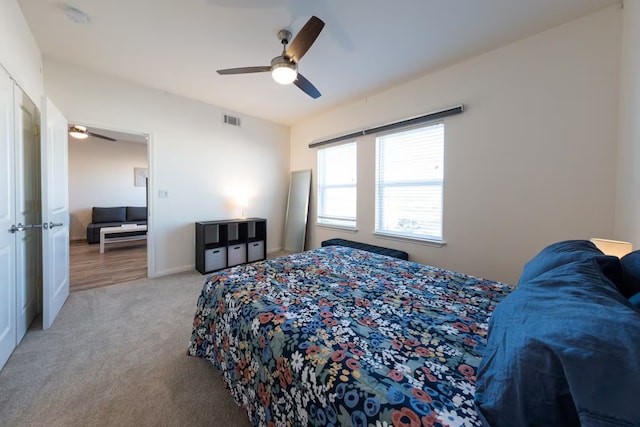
(140, 177)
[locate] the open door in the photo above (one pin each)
(55, 212)
(28, 196)
(7, 218)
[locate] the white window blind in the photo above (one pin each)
(337, 185)
(409, 178)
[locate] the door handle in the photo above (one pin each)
(14, 229)
(22, 227)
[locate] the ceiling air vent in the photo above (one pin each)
(231, 120)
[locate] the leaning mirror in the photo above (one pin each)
(295, 227)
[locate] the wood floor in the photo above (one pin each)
(121, 262)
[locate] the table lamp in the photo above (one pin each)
(613, 247)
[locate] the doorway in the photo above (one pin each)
(108, 187)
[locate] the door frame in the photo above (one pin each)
(151, 265)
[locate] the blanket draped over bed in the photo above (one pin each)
(339, 336)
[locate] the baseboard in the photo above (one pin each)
(174, 270)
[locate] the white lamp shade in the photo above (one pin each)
(613, 247)
(242, 201)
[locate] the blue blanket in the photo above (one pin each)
(564, 347)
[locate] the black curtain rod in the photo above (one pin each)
(402, 123)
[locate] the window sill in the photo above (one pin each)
(427, 242)
(338, 227)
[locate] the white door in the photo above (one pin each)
(28, 212)
(7, 216)
(55, 212)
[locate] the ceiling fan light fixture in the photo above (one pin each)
(283, 71)
(284, 68)
(78, 132)
(284, 75)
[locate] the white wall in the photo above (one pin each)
(101, 174)
(19, 53)
(628, 195)
(201, 163)
(531, 161)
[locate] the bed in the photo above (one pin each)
(341, 336)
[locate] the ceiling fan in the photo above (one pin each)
(81, 132)
(284, 68)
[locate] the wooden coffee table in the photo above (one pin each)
(105, 231)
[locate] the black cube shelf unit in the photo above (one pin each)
(230, 242)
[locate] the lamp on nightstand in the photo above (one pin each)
(613, 247)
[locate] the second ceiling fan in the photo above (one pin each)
(284, 68)
(81, 132)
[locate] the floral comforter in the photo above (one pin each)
(339, 336)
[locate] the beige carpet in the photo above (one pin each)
(116, 356)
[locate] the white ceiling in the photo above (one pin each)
(366, 45)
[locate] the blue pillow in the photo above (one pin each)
(635, 300)
(562, 348)
(630, 284)
(568, 251)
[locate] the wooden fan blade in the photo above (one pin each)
(305, 38)
(245, 70)
(306, 86)
(97, 135)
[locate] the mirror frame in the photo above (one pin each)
(295, 224)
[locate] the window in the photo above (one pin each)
(409, 177)
(337, 185)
